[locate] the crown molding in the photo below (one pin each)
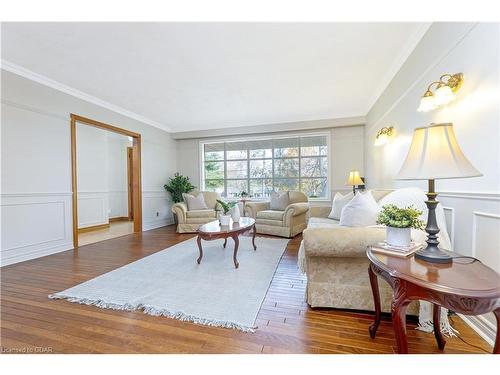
(26, 73)
(415, 38)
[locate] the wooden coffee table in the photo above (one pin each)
(464, 286)
(213, 230)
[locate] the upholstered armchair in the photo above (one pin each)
(190, 221)
(287, 223)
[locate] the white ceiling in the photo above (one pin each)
(192, 76)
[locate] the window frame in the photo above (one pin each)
(299, 178)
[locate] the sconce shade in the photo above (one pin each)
(444, 95)
(354, 179)
(427, 103)
(435, 154)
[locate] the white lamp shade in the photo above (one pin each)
(354, 179)
(444, 95)
(427, 103)
(381, 140)
(435, 154)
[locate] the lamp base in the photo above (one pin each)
(433, 255)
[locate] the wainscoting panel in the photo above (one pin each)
(35, 225)
(93, 208)
(475, 219)
(156, 209)
(118, 203)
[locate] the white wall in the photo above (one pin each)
(101, 175)
(472, 205)
(117, 175)
(346, 154)
(36, 169)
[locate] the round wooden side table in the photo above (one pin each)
(465, 286)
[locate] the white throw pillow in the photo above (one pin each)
(279, 202)
(195, 202)
(338, 203)
(361, 211)
(416, 197)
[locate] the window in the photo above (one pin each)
(261, 166)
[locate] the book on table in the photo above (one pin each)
(400, 251)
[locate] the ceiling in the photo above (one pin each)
(194, 76)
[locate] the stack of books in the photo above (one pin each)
(398, 251)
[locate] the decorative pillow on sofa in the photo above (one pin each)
(279, 202)
(361, 211)
(338, 203)
(195, 202)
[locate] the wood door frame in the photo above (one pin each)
(136, 170)
(130, 187)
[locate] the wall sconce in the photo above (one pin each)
(446, 87)
(383, 136)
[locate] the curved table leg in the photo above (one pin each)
(436, 319)
(236, 245)
(253, 237)
(399, 322)
(225, 243)
(376, 300)
(496, 350)
(201, 250)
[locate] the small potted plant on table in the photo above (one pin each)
(399, 222)
(225, 219)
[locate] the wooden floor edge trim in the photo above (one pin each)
(93, 227)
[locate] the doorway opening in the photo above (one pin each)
(106, 181)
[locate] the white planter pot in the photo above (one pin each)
(235, 213)
(398, 236)
(225, 220)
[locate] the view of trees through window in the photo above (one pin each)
(260, 166)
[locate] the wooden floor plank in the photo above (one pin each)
(30, 321)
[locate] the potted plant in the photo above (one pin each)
(225, 219)
(399, 222)
(176, 186)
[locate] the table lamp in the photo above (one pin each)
(354, 180)
(435, 154)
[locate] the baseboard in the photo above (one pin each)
(119, 218)
(481, 326)
(93, 227)
(157, 224)
(36, 254)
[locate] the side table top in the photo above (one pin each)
(463, 276)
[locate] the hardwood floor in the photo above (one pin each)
(32, 322)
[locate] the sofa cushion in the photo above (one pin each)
(321, 222)
(200, 213)
(271, 215)
(338, 203)
(361, 211)
(194, 202)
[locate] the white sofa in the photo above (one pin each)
(334, 260)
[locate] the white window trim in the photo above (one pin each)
(201, 157)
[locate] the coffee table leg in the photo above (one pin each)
(376, 301)
(253, 237)
(436, 319)
(201, 250)
(225, 242)
(236, 245)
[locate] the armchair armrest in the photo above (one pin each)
(295, 209)
(320, 211)
(180, 209)
(253, 207)
(348, 242)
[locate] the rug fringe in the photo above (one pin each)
(446, 329)
(150, 310)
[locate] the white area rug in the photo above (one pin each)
(170, 283)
